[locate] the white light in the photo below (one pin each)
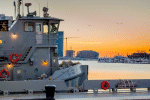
(19, 71)
(54, 60)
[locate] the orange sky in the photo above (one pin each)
(109, 27)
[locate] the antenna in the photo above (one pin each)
(19, 2)
(39, 10)
(47, 3)
(22, 9)
(15, 9)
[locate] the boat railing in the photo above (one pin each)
(11, 26)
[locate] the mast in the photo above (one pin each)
(14, 9)
(18, 8)
(22, 8)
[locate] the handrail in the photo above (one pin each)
(26, 50)
(18, 49)
(26, 44)
(12, 25)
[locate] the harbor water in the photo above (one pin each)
(103, 71)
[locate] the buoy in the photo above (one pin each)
(7, 73)
(105, 85)
(17, 57)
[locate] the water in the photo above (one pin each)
(103, 71)
(116, 70)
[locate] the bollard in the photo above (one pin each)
(95, 90)
(50, 91)
(114, 90)
(133, 89)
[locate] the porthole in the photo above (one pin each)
(19, 77)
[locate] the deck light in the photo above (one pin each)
(18, 71)
(1, 41)
(44, 63)
(9, 66)
(14, 36)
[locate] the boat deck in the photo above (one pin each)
(102, 95)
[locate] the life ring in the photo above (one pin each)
(17, 57)
(7, 73)
(105, 85)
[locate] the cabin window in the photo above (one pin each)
(53, 28)
(38, 28)
(29, 26)
(3, 25)
(45, 27)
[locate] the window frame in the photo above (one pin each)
(7, 25)
(41, 30)
(47, 27)
(33, 26)
(52, 28)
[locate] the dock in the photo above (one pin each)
(140, 94)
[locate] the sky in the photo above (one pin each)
(109, 27)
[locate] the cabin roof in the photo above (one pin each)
(40, 18)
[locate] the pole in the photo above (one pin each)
(15, 12)
(66, 45)
(18, 8)
(28, 9)
(149, 57)
(15, 9)
(39, 10)
(47, 3)
(22, 8)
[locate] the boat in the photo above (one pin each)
(29, 55)
(125, 84)
(106, 60)
(29, 59)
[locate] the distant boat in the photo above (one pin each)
(126, 84)
(105, 60)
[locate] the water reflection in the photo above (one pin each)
(117, 75)
(116, 70)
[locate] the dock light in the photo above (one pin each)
(9, 66)
(14, 36)
(1, 41)
(44, 63)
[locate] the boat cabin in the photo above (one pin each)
(28, 46)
